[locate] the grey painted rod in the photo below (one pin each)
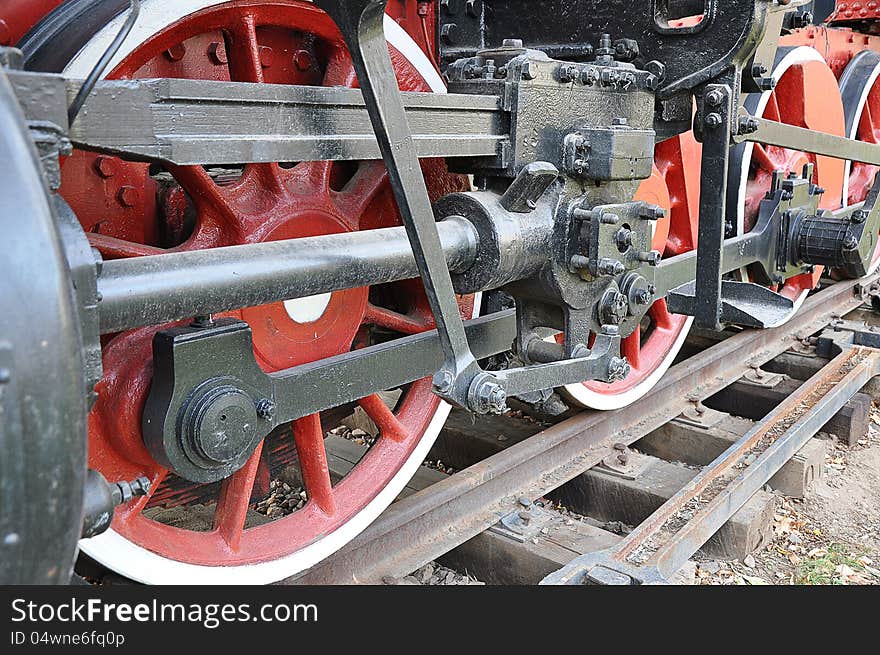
(159, 289)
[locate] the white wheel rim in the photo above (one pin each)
(116, 552)
(591, 399)
(853, 133)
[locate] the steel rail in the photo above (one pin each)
(430, 523)
(662, 543)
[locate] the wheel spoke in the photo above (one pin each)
(359, 193)
(772, 112)
(207, 196)
(388, 424)
(391, 320)
(763, 159)
(659, 313)
(243, 51)
(113, 248)
(340, 70)
(311, 177)
(156, 478)
(309, 438)
(269, 178)
(867, 127)
(631, 348)
(235, 498)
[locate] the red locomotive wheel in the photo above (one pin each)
(806, 95)
(132, 209)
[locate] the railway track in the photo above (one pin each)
(440, 517)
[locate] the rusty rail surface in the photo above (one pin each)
(435, 520)
(660, 545)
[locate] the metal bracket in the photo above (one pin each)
(624, 463)
(525, 523)
(756, 377)
(362, 25)
(700, 416)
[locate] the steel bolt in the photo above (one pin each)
(767, 83)
(487, 396)
(568, 73)
(474, 8)
(217, 52)
(128, 196)
(618, 369)
(529, 70)
(266, 409)
(748, 125)
(443, 381)
(589, 76)
(614, 308)
(651, 258)
(579, 262)
(644, 297)
(449, 33)
(714, 98)
(623, 239)
(105, 166)
(610, 267)
(652, 213)
(851, 242)
(176, 52)
(512, 43)
(859, 216)
(714, 120)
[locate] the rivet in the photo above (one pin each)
(303, 60)
(105, 167)
(267, 56)
(128, 196)
(176, 52)
(217, 52)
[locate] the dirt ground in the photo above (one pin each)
(830, 537)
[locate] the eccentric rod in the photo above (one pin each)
(160, 289)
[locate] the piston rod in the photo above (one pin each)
(158, 289)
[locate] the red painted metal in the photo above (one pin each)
(846, 11)
(17, 17)
(258, 41)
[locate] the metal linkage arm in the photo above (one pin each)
(774, 133)
(362, 25)
(188, 122)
